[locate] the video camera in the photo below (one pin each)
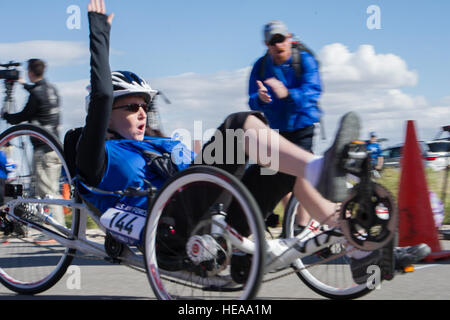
(10, 73)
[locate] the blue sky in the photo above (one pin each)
(170, 40)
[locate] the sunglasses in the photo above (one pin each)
(134, 107)
(278, 38)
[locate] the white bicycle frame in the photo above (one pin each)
(78, 240)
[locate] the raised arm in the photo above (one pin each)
(91, 158)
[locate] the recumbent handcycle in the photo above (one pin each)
(182, 242)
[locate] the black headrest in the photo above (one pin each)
(70, 148)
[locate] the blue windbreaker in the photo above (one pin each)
(374, 152)
(300, 109)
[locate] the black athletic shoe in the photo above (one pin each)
(297, 230)
(332, 182)
(407, 256)
(359, 266)
(240, 267)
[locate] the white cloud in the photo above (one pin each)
(373, 85)
(73, 103)
(364, 81)
(207, 98)
(55, 53)
(363, 69)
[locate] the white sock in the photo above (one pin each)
(313, 170)
(357, 254)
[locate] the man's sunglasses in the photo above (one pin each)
(134, 107)
(278, 38)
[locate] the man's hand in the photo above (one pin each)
(99, 7)
(277, 87)
(263, 93)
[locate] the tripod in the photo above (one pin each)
(18, 152)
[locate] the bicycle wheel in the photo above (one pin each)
(188, 255)
(331, 279)
(31, 260)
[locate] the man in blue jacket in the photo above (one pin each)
(285, 85)
(288, 100)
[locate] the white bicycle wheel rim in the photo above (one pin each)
(309, 277)
(155, 214)
(23, 285)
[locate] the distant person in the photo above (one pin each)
(285, 85)
(42, 109)
(376, 155)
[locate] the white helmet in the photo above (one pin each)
(126, 83)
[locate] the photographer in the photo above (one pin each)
(42, 109)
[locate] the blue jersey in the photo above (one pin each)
(374, 152)
(127, 166)
(3, 164)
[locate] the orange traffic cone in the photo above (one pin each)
(416, 224)
(66, 196)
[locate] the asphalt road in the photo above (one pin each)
(101, 280)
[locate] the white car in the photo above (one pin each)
(438, 154)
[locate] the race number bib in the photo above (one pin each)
(124, 223)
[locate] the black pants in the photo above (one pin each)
(267, 190)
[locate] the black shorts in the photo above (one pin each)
(236, 167)
(267, 190)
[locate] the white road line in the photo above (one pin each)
(425, 266)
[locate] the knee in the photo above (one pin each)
(239, 119)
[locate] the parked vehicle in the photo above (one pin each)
(438, 154)
(393, 155)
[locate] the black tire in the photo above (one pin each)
(196, 190)
(332, 280)
(27, 265)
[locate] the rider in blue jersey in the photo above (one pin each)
(109, 149)
(113, 152)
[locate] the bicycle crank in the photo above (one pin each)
(369, 217)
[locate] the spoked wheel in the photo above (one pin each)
(31, 261)
(332, 279)
(188, 254)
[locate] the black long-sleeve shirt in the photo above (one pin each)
(91, 157)
(42, 107)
